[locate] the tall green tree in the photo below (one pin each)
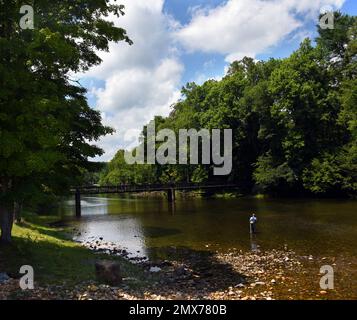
(335, 169)
(293, 119)
(47, 129)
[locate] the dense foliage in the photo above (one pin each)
(294, 121)
(47, 129)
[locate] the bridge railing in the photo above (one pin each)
(126, 188)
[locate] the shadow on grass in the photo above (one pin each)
(55, 260)
(58, 261)
(58, 232)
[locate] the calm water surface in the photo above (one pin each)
(146, 225)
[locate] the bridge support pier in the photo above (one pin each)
(171, 196)
(78, 204)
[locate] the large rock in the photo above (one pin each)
(108, 272)
(4, 278)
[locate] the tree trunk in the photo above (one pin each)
(6, 221)
(17, 211)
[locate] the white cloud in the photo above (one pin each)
(133, 97)
(149, 28)
(142, 80)
(311, 8)
(247, 27)
(140, 87)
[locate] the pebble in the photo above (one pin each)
(193, 280)
(4, 278)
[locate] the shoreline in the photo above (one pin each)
(184, 274)
(235, 275)
(201, 194)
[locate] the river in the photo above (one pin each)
(146, 226)
(319, 231)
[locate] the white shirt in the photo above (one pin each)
(253, 220)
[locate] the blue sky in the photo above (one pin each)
(197, 62)
(179, 41)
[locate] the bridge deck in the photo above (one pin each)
(89, 190)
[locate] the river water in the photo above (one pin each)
(320, 231)
(146, 226)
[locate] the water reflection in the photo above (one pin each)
(126, 232)
(253, 242)
(322, 227)
(90, 205)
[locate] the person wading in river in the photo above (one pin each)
(253, 222)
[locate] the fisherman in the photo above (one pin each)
(253, 222)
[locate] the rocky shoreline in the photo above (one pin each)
(193, 275)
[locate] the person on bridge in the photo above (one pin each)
(253, 222)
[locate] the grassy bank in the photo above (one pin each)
(65, 270)
(55, 258)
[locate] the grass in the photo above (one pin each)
(227, 195)
(261, 196)
(55, 258)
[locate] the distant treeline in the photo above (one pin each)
(293, 120)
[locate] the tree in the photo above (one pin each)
(119, 172)
(293, 120)
(47, 129)
(334, 41)
(335, 170)
(302, 117)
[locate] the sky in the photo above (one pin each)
(180, 41)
